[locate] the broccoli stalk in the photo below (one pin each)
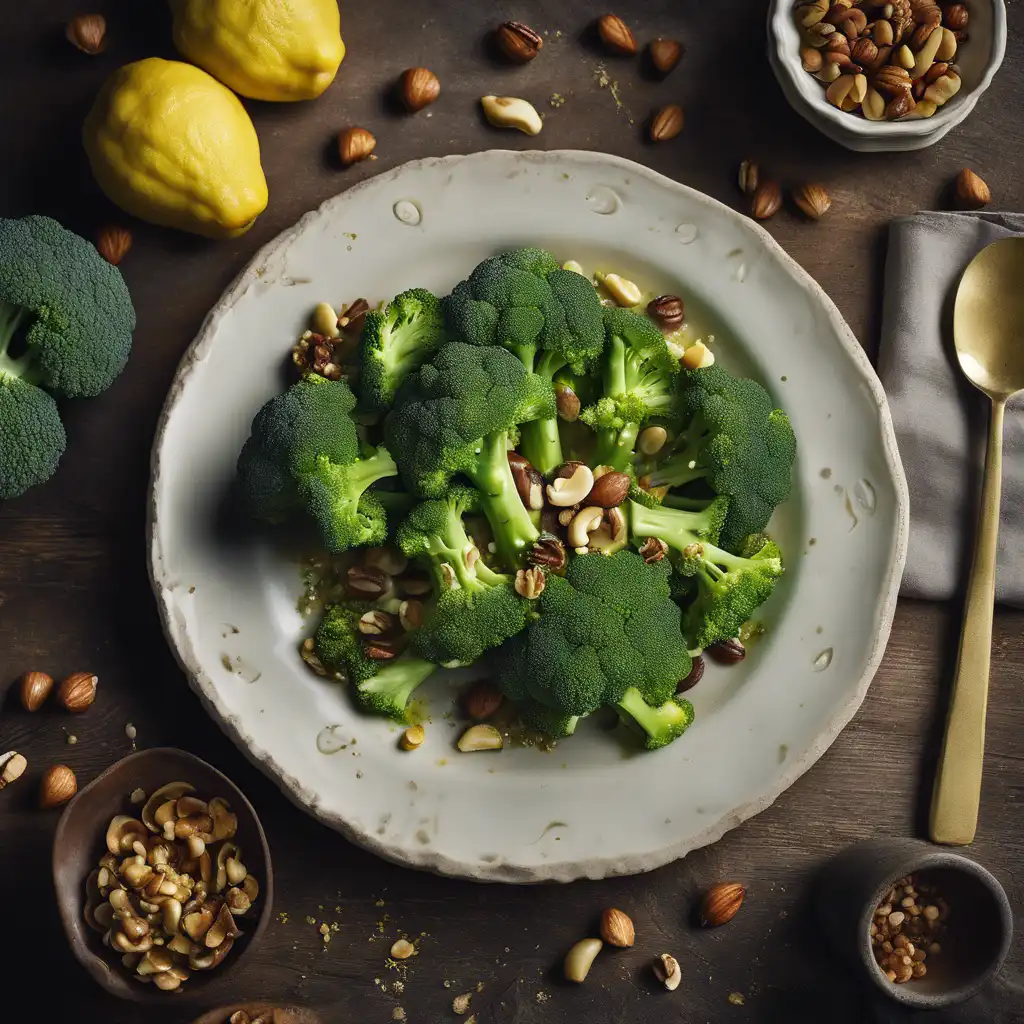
(475, 608)
(639, 383)
(658, 726)
(388, 692)
(676, 527)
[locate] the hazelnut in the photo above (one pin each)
(113, 242)
(616, 35)
(34, 688)
(766, 200)
(567, 402)
(88, 32)
(518, 42)
(971, 192)
(665, 54)
(956, 17)
(58, 786)
(481, 700)
(418, 88)
(77, 692)
(812, 199)
(721, 904)
(667, 123)
(355, 144)
(617, 928)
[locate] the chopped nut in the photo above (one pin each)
(413, 737)
(410, 615)
(697, 356)
(460, 1004)
(529, 483)
(14, 765)
(666, 970)
(548, 551)
(403, 949)
(625, 292)
(376, 623)
(480, 737)
(530, 583)
(653, 549)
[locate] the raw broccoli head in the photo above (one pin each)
(522, 300)
(66, 323)
(735, 441)
(396, 341)
(729, 588)
(455, 415)
(607, 626)
(657, 726)
(378, 687)
(474, 608)
(304, 455)
(639, 383)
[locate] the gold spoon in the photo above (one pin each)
(988, 331)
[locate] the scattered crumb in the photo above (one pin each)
(130, 731)
(138, 796)
(542, 996)
(460, 1004)
(398, 1014)
(282, 917)
(310, 920)
(379, 903)
(479, 986)
(72, 739)
(556, 100)
(736, 998)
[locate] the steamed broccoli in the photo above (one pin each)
(395, 341)
(735, 441)
(639, 383)
(659, 725)
(304, 455)
(677, 528)
(547, 317)
(608, 627)
(454, 415)
(475, 608)
(379, 687)
(66, 323)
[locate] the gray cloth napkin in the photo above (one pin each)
(941, 420)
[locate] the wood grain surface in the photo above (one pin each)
(74, 593)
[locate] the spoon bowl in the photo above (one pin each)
(988, 320)
(988, 332)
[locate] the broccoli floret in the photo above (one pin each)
(547, 317)
(607, 626)
(396, 341)
(729, 588)
(454, 415)
(677, 528)
(638, 384)
(735, 441)
(68, 314)
(304, 455)
(546, 720)
(475, 608)
(660, 725)
(379, 687)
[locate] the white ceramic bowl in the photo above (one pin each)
(228, 598)
(978, 60)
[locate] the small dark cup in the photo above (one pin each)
(80, 841)
(974, 944)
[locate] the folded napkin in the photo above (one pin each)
(941, 420)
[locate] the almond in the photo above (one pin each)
(35, 687)
(667, 123)
(971, 192)
(609, 491)
(721, 903)
(665, 54)
(616, 35)
(58, 786)
(617, 928)
(481, 700)
(77, 692)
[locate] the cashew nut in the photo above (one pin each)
(512, 112)
(325, 320)
(564, 492)
(585, 522)
(621, 289)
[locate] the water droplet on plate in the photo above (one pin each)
(603, 200)
(823, 660)
(741, 272)
(686, 233)
(864, 492)
(329, 740)
(408, 212)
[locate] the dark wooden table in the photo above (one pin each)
(74, 593)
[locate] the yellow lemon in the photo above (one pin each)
(170, 144)
(265, 49)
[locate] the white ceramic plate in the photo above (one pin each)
(586, 809)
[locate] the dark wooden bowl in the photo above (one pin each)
(80, 841)
(284, 1014)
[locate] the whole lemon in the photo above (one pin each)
(170, 144)
(265, 49)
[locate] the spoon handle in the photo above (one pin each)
(957, 793)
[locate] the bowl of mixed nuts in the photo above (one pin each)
(927, 926)
(163, 876)
(893, 75)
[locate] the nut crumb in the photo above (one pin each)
(460, 1004)
(736, 998)
(398, 1014)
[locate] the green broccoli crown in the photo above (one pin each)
(546, 720)
(522, 300)
(304, 454)
(475, 608)
(75, 306)
(608, 625)
(31, 436)
(657, 725)
(396, 341)
(338, 644)
(729, 589)
(451, 405)
(735, 441)
(389, 691)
